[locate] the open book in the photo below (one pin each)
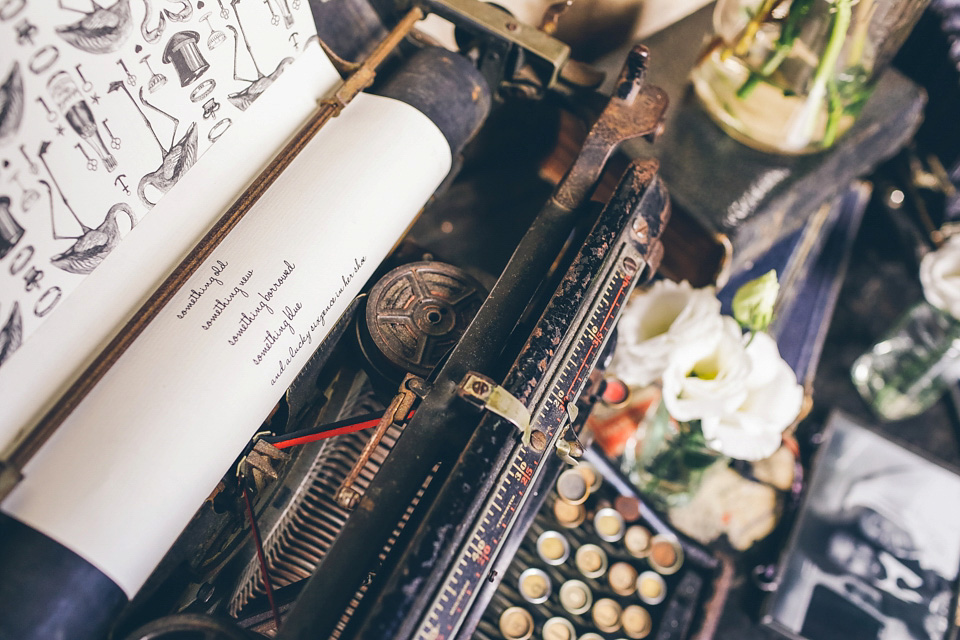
(128, 468)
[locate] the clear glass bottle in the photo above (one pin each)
(791, 76)
(667, 460)
(905, 373)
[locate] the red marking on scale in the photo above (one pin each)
(626, 283)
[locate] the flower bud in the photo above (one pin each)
(753, 302)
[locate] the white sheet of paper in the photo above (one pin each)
(128, 469)
(106, 106)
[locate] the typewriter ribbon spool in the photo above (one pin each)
(76, 545)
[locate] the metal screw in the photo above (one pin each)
(630, 265)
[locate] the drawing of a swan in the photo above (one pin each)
(11, 335)
(94, 245)
(176, 162)
(11, 104)
(101, 30)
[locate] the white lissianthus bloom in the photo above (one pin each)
(705, 379)
(772, 401)
(656, 322)
(940, 276)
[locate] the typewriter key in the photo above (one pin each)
(622, 578)
(628, 507)
(666, 555)
(590, 636)
(553, 548)
(637, 541)
(636, 621)
(609, 524)
(651, 587)
(572, 487)
(534, 586)
(558, 629)
(606, 615)
(575, 597)
(516, 623)
(591, 475)
(569, 515)
(591, 560)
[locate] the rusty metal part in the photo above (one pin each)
(297, 542)
(258, 464)
(396, 414)
(416, 313)
(28, 442)
(483, 392)
(635, 110)
(545, 52)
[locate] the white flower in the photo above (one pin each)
(773, 399)
(659, 320)
(940, 275)
(705, 380)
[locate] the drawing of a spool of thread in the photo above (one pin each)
(66, 95)
(10, 229)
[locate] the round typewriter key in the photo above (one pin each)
(516, 623)
(622, 578)
(591, 475)
(575, 597)
(636, 621)
(558, 629)
(651, 587)
(590, 635)
(553, 548)
(591, 560)
(637, 541)
(572, 487)
(569, 515)
(609, 524)
(606, 615)
(666, 555)
(628, 506)
(534, 586)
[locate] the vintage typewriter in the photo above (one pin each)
(427, 475)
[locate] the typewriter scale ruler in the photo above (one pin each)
(459, 589)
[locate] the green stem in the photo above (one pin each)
(799, 9)
(834, 112)
(826, 70)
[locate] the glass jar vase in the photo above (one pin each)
(790, 76)
(905, 373)
(668, 460)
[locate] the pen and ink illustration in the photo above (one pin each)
(216, 37)
(245, 97)
(66, 92)
(154, 34)
(11, 335)
(157, 80)
(69, 100)
(101, 30)
(28, 196)
(92, 245)
(10, 230)
(177, 160)
(11, 104)
(183, 52)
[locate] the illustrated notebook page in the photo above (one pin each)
(103, 109)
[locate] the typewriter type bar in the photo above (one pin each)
(443, 424)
